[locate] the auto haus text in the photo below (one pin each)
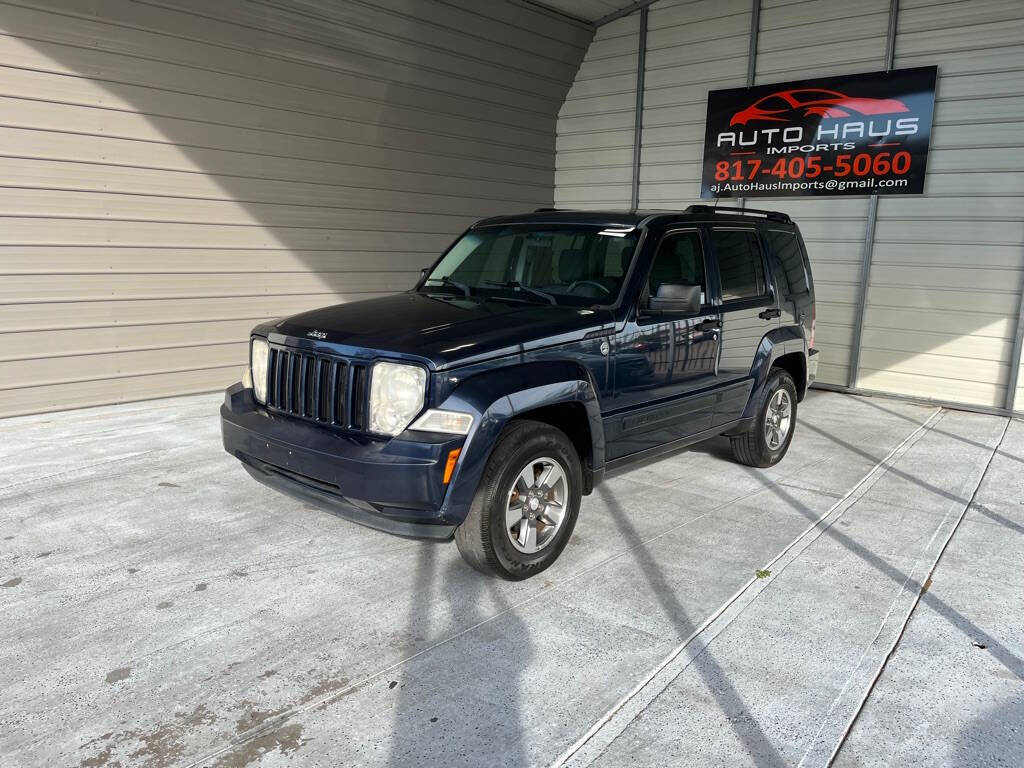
(833, 136)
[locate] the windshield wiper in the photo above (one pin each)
(515, 284)
(466, 290)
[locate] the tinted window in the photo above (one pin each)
(574, 265)
(739, 264)
(787, 250)
(679, 260)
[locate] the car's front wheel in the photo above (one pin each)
(526, 505)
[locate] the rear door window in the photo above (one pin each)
(740, 264)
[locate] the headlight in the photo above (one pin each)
(396, 396)
(450, 422)
(259, 352)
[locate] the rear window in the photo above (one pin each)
(740, 264)
(786, 248)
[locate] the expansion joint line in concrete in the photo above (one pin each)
(278, 720)
(917, 601)
(606, 729)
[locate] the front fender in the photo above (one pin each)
(496, 397)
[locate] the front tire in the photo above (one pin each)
(768, 437)
(526, 505)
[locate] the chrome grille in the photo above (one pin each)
(327, 390)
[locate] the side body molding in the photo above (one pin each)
(497, 396)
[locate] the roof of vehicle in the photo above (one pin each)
(635, 217)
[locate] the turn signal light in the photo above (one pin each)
(449, 467)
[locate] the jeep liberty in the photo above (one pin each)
(540, 353)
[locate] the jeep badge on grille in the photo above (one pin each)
(317, 334)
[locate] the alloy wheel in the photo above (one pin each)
(778, 419)
(536, 505)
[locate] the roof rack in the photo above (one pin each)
(773, 215)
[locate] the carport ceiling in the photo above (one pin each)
(596, 12)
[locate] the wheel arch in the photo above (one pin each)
(795, 364)
(782, 347)
(561, 393)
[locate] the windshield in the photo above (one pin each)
(565, 265)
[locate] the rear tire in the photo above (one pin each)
(767, 438)
(526, 505)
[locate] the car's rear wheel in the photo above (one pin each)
(767, 439)
(526, 505)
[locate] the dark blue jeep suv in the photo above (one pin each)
(538, 354)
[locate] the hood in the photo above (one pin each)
(441, 330)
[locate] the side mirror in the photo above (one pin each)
(676, 299)
(423, 272)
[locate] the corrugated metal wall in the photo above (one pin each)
(946, 280)
(594, 165)
(945, 284)
(811, 39)
(174, 172)
(692, 47)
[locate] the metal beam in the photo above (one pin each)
(560, 13)
(862, 292)
(867, 255)
(631, 8)
(638, 119)
(1015, 356)
(755, 30)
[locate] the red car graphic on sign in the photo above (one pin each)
(790, 106)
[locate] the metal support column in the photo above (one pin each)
(853, 371)
(755, 24)
(1015, 356)
(638, 120)
(755, 28)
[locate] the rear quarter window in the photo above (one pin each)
(786, 247)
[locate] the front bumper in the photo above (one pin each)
(393, 485)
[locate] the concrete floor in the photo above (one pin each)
(161, 608)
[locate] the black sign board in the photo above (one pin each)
(850, 135)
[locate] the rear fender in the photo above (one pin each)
(496, 397)
(774, 345)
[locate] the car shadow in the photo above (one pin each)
(748, 730)
(477, 715)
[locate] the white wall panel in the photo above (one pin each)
(950, 264)
(594, 162)
(175, 172)
(693, 47)
(813, 39)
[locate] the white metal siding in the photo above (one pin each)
(948, 266)
(813, 39)
(175, 172)
(692, 47)
(946, 279)
(594, 166)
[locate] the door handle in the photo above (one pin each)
(768, 314)
(708, 325)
